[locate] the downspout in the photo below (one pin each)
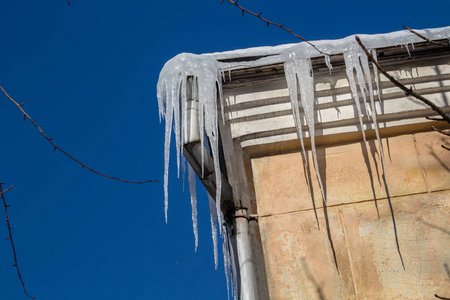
(241, 246)
(249, 289)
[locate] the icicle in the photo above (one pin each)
(407, 49)
(177, 129)
(299, 71)
(191, 178)
(351, 63)
(183, 121)
(291, 79)
(221, 107)
(213, 217)
(375, 74)
(213, 135)
(226, 261)
(363, 73)
(183, 170)
(365, 65)
(231, 253)
(328, 62)
(168, 115)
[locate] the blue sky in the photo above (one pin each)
(87, 74)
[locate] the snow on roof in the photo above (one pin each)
(372, 41)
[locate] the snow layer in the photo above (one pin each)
(279, 54)
(396, 38)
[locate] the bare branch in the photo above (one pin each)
(56, 147)
(440, 131)
(445, 147)
(425, 38)
(10, 238)
(5, 191)
(272, 23)
(408, 92)
(439, 297)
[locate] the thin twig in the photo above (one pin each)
(441, 131)
(445, 147)
(10, 238)
(56, 147)
(425, 38)
(439, 297)
(408, 92)
(5, 191)
(272, 23)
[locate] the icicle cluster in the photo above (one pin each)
(299, 72)
(300, 80)
(356, 63)
(172, 93)
(200, 77)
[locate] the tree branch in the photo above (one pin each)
(235, 3)
(10, 238)
(56, 147)
(408, 92)
(440, 131)
(425, 38)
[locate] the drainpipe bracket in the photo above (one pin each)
(243, 213)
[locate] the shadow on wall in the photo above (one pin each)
(322, 173)
(311, 278)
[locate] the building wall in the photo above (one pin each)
(354, 248)
(365, 244)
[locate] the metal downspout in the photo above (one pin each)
(248, 288)
(206, 173)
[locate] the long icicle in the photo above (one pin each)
(299, 73)
(213, 217)
(191, 179)
(351, 59)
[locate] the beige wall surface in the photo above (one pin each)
(364, 245)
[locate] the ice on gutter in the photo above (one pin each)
(249, 52)
(201, 76)
(172, 102)
(331, 47)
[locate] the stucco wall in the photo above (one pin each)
(355, 247)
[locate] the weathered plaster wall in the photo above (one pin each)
(349, 250)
